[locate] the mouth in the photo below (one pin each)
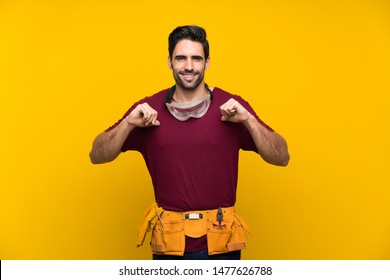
(188, 76)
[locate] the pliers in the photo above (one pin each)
(219, 223)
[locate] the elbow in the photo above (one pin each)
(95, 159)
(284, 155)
(98, 157)
(286, 159)
(92, 158)
(281, 160)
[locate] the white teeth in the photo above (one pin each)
(188, 77)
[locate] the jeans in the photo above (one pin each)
(200, 255)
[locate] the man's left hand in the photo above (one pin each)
(233, 111)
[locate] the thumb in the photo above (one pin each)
(224, 119)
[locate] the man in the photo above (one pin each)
(190, 136)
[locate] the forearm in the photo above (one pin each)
(107, 145)
(270, 145)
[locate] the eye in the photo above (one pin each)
(180, 58)
(197, 58)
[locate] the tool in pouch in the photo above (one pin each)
(219, 223)
(159, 217)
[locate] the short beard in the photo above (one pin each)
(192, 86)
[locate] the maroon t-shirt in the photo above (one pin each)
(193, 164)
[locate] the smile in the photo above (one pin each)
(188, 76)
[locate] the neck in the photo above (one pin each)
(183, 95)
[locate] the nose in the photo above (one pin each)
(189, 65)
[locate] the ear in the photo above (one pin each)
(207, 63)
(169, 62)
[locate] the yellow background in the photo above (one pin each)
(316, 71)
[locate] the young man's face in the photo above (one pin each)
(188, 64)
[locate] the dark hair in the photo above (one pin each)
(190, 32)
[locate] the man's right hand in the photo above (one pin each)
(143, 116)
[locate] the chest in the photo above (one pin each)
(203, 134)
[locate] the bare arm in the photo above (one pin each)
(270, 145)
(107, 145)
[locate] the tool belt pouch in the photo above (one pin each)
(168, 239)
(232, 238)
(147, 222)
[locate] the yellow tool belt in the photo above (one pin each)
(169, 229)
